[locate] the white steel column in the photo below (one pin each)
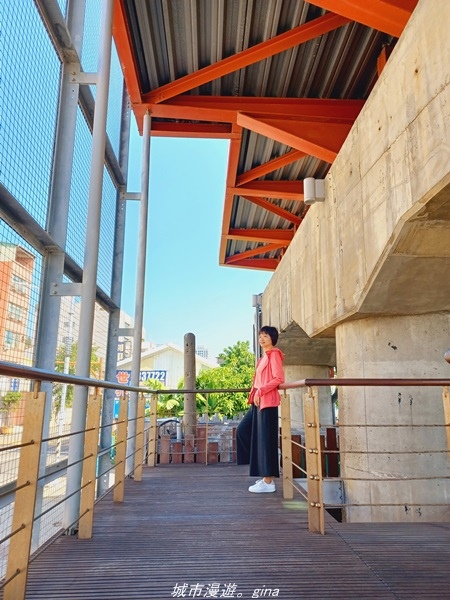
(140, 288)
(57, 220)
(109, 396)
(89, 283)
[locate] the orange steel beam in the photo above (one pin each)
(280, 43)
(276, 210)
(124, 47)
(288, 190)
(318, 138)
(233, 162)
(261, 264)
(278, 236)
(382, 58)
(389, 16)
(225, 109)
(191, 130)
(270, 166)
(253, 252)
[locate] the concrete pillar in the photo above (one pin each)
(400, 422)
(295, 372)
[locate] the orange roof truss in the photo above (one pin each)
(311, 127)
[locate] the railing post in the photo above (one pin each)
(286, 447)
(25, 498)
(89, 474)
(153, 433)
(121, 450)
(139, 452)
(316, 519)
(446, 403)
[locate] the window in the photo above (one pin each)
(15, 312)
(11, 339)
(19, 285)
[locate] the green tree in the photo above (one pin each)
(9, 403)
(95, 373)
(238, 357)
(235, 372)
(169, 405)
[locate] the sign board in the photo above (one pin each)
(123, 377)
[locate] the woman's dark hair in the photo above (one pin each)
(272, 332)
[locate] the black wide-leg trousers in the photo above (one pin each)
(257, 442)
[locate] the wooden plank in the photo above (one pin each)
(286, 447)
(313, 461)
(206, 527)
(153, 432)
(121, 450)
(89, 474)
(139, 455)
(25, 498)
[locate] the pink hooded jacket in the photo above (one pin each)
(270, 370)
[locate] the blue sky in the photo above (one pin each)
(186, 289)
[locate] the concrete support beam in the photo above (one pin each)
(385, 222)
(405, 451)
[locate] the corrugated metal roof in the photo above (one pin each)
(174, 39)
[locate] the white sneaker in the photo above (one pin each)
(261, 487)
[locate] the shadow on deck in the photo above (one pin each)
(192, 531)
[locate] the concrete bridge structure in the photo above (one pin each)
(365, 285)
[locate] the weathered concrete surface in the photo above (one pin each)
(300, 349)
(395, 437)
(380, 243)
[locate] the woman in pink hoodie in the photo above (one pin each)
(257, 433)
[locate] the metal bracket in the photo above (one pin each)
(82, 78)
(125, 331)
(66, 289)
(130, 196)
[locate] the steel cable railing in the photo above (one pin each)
(145, 452)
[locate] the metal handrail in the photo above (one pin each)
(25, 372)
(364, 382)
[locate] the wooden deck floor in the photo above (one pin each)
(196, 532)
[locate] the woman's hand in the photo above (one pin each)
(256, 400)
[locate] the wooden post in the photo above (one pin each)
(89, 474)
(316, 518)
(139, 455)
(25, 498)
(288, 489)
(153, 433)
(446, 402)
(121, 450)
